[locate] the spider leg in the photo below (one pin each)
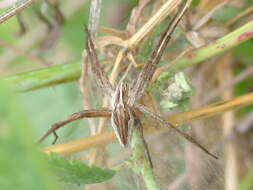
(55, 137)
(155, 116)
(149, 68)
(102, 80)
(139, 125)
(76, 116)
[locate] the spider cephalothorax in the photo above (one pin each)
(123, 116)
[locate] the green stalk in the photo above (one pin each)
(140, 162)
(45, 77)
(71, 71)
(219, 46)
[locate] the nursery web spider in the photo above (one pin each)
(124, 97)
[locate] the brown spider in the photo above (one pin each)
(124, 97)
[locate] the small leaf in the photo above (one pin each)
(168, 104)
(76, 172)
(180, 78)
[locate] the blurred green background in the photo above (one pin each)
(41, 45)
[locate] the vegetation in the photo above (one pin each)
(205, 71)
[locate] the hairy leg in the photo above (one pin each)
(143, 79)
(76, 116)
(155, 116)
(97, 71)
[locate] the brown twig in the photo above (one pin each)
(152, 22)
(135, 16)
(15, 9)
(240, 15)
(208, 15)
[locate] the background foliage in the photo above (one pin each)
(25, 118)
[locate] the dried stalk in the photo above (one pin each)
(162, 13)
(176, 119)
(208, 16)
(15, 9)
(240, 15)
(228, 123)
(157, 18)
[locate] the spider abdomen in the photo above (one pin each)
(122, 114)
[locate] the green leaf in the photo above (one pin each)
(247, 182)
(195, 3)
(76, 172)
(243, 52)
(225, 13)
(21, 163)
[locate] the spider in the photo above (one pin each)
(124, 97)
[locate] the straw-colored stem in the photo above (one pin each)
(176, 119)
(15, 9)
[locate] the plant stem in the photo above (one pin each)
(140, 162)
(176, 119)
(15, 9)
(71, 71)
(219, 46)
(45, 77)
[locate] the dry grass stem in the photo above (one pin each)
(176, 119)
(228, 124)
(240, 15)
(82, 144)
(208, 16)
(164, 11)
(133, 41)
(135, 16)
(15, 10)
